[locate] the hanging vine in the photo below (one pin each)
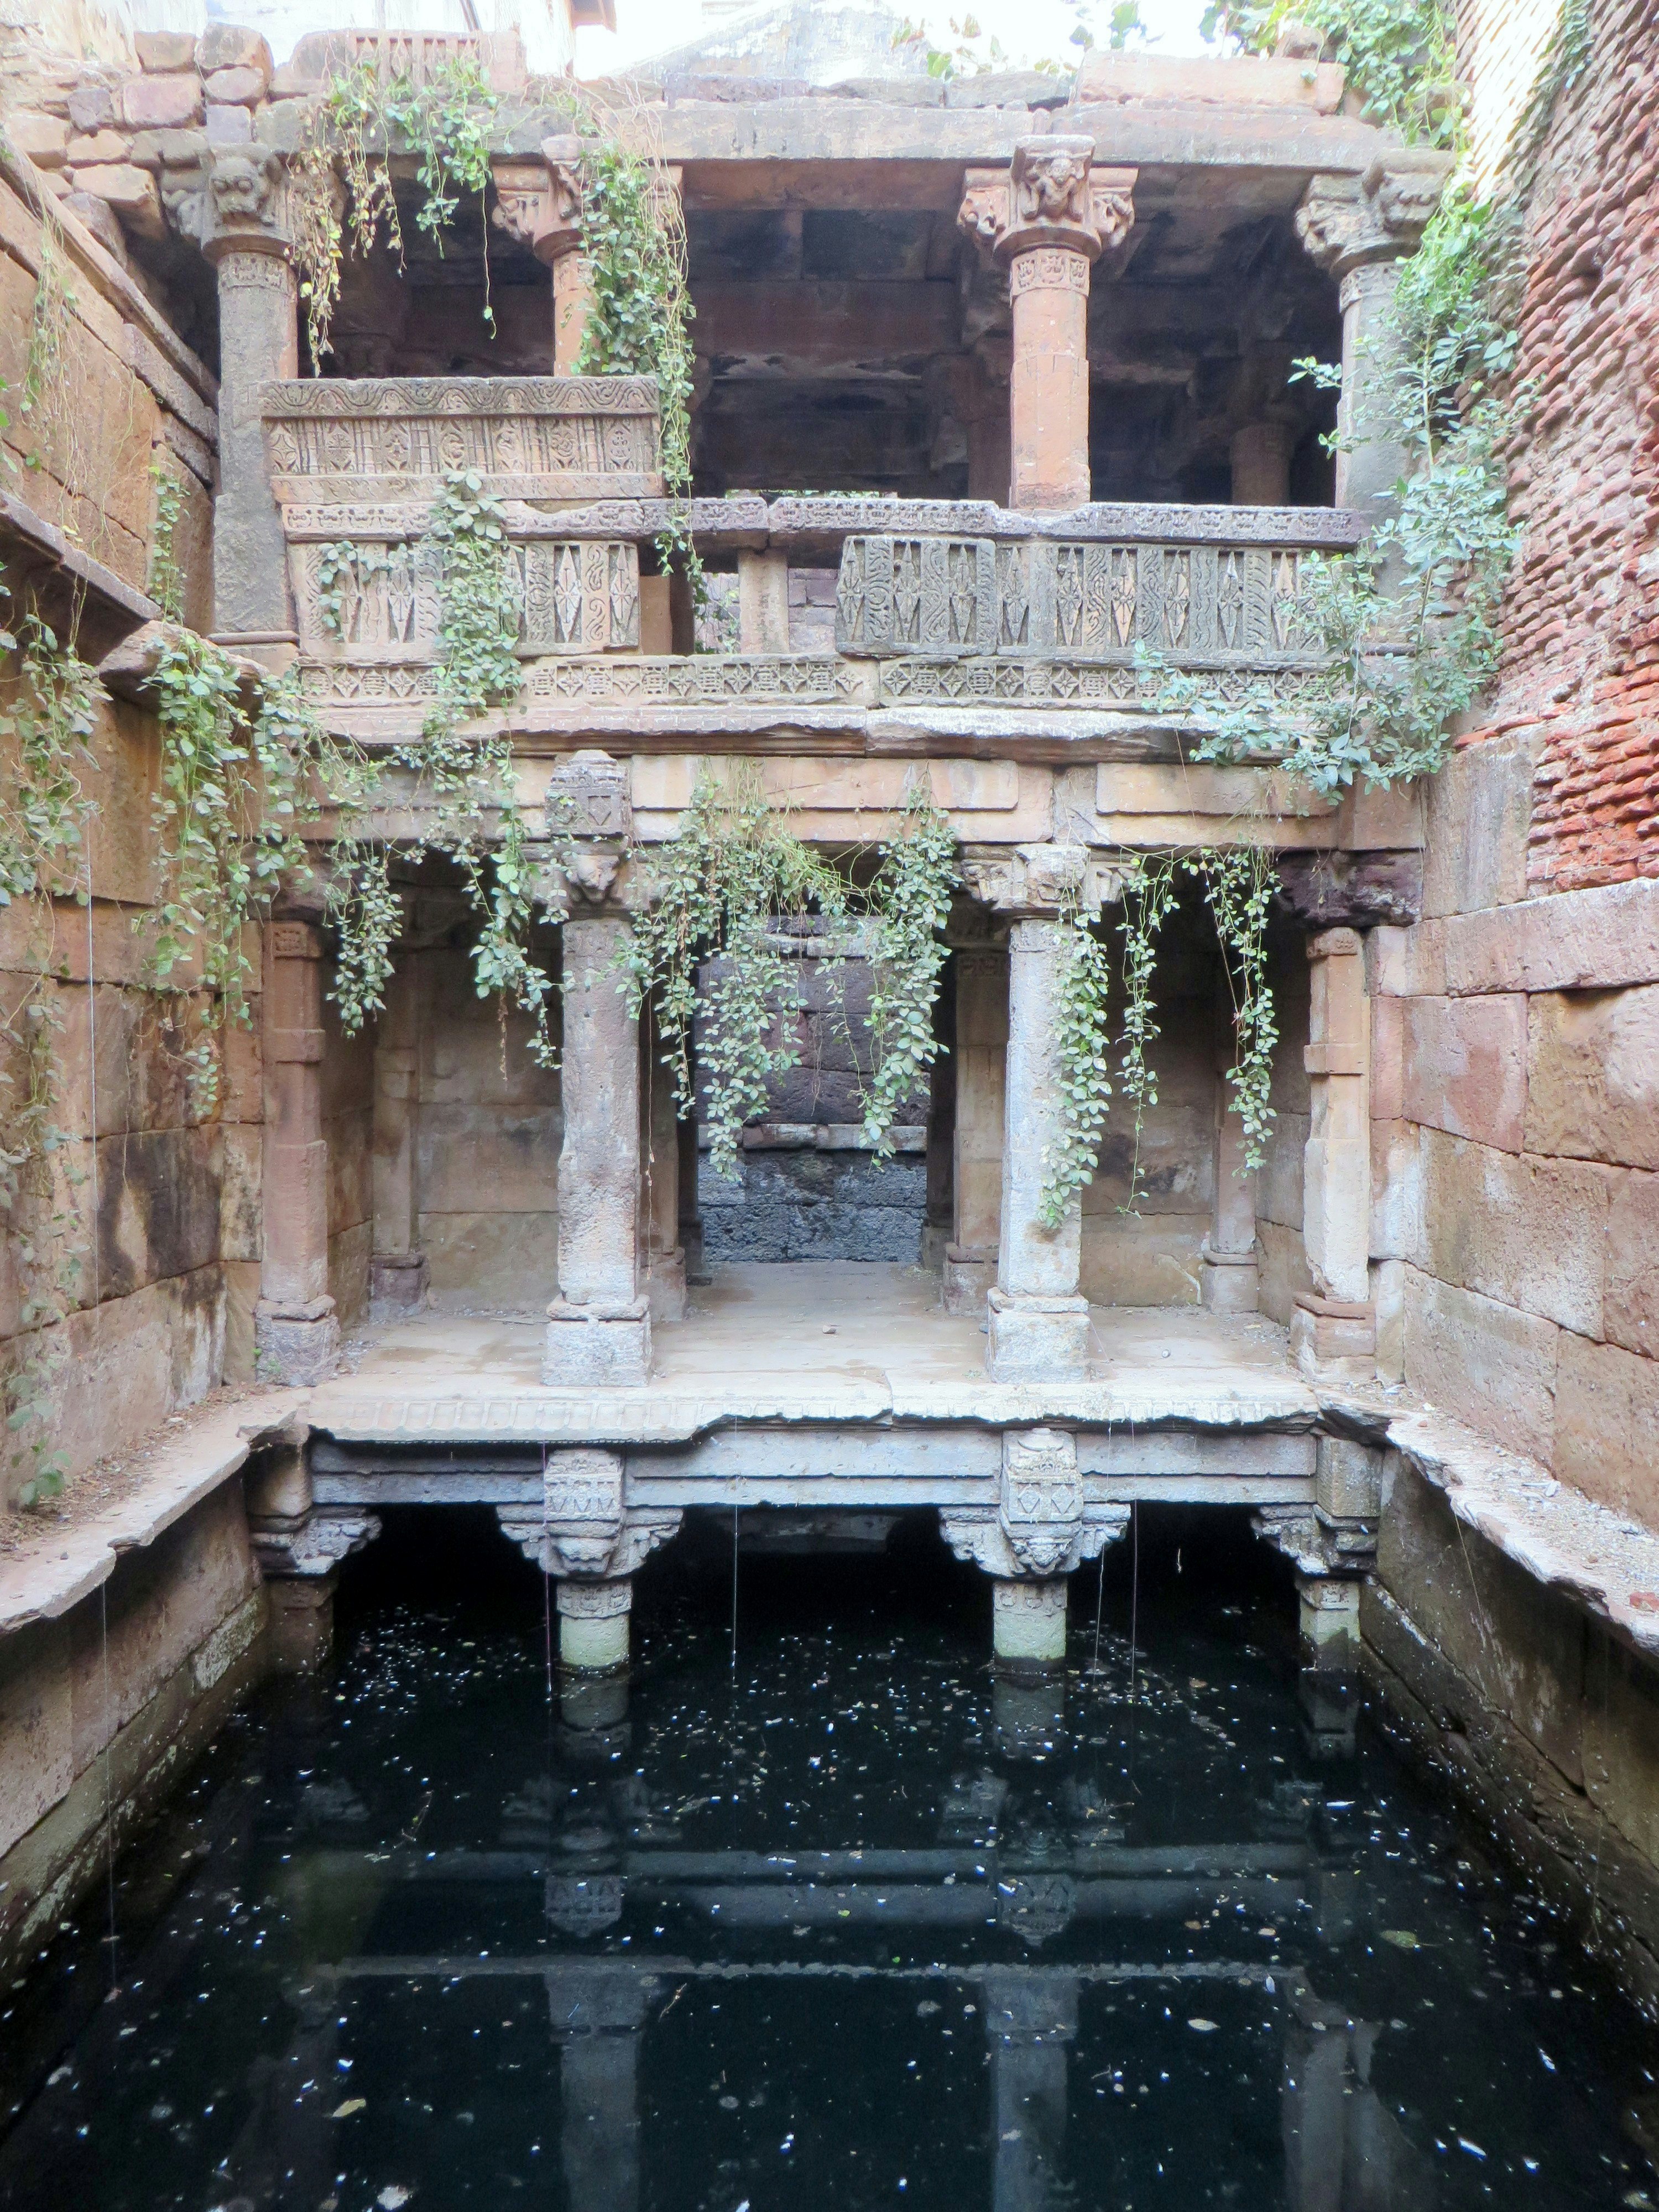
(639, 323)
(1238, 884)
(444, 119)
(1082, 1018)
(910, 902)
(1147, 898)
(733, 870)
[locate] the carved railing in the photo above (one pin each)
(355, 467)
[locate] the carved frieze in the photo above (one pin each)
(394, 438)
(1081, 600)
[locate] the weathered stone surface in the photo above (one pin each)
(1465, 1063)
(160, 103)
(1407, 963)
(228, 126)
(1593, 1075)
(1244, 81)
(1492, 1366)
(1630, 1297)
(1149, 1261)
(1584, 940)
(1480, 810)
(228, 46)
(91, 105)
(98, 146)
(1621, 1743)
(42, 137)
(1606, 1426)
(130, 191)
(1008, 88)
(1355, 891)
(1526, 1231)
(236, 86)
(36, 1755)
(167, 150)
(165, 50)
(892, 91)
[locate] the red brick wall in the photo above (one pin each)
(1580, 624)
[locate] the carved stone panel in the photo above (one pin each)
(1078, 601)
(374, 597)
(397, 438)
(1041, 1499)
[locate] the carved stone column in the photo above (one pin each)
(398, 1271)
(1041, 1527)
(245, 209)
(1045, 221)
(585, 1533)
(1039, 1323)
(1229, 1276)
(296, 1334)
(1262, 463)
(1358, 229)
(982, 1051)
(1333, 1332)
(599, 1327)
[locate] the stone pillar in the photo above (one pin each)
(597, 2015)
(584, 1532)
(981, 1050)
(593, 1624)
(1030, 2017)
(300, 1548)
(398, 1271)
(1358, 229)
(245, 238)
(599, 1327)
(1046, 220)
(539, 203)
(1028, 1622)
(1229, 1277)
(1333, 1332)
(296, 1334)
(659, 1185)
(1262, 463)
(763, 602)
(1039, 1323)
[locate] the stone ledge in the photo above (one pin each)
(58, 1566)
(20, 524)
(1603, 939)
(1607, 1564)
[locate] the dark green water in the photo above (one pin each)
(848, 1925)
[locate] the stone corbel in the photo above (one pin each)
(312, 1543)
(1041, 1526)
(524, 199)
(1346, 221)
(1042, 879)
(590, 825)
(244, 205)
(583, 1530)
(1317, 1543)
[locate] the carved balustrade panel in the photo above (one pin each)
(1215, 604)
(543, 438)
(372, 595)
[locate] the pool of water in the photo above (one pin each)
(842, 1923)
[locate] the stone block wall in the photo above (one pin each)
(1580, 682)
(103, 1708)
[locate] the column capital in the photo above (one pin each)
(589, 816)
(1347, 223)
(1039, 883)
(552, 220)
(245, 208)
(1051, 195)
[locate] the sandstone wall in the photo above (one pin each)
(128, 1221)
(103, 1709)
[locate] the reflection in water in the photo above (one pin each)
(850, 1924)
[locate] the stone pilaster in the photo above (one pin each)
(1229, 1277)
(296, 1334)
(981, 1049)
(1333, 1332)
(247, 239)
(1045, 219)
(299, 1548)
(398, 1270)
(1358, 229)
(539, 203)
(1262, 463)
(599, 1327)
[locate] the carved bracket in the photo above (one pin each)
(1318, 1543)
(1040, 879)
(583, 1529)
(1051, 195)
(1041, 1526)
(312, 1543)
(1345, 222)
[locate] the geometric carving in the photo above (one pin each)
(582, 1527)
(587, 796)
(396, 438)
(1080, 599)
(1042, 1527)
